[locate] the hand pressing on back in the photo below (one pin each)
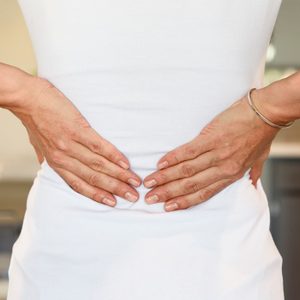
(88, 163)
(234, 141)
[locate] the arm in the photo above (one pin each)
(16, 85)
(280, 101)
(88, 163)
(233, 142)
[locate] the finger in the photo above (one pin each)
(257, 168)
(202, 195)
(256, 172)
(184, 169)
(96, 143)
(184, 186)
(101, 164)
(96, 179)
(185, 152)
(81, 187)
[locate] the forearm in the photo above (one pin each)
(280, 101)
(16, 87)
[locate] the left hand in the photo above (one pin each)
(234, 141)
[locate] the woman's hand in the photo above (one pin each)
(88, 163)
(234, 141)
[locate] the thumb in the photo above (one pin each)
(256, 171)
(257, 167)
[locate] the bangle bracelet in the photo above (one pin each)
(265, 119)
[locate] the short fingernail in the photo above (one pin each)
(123, 164)
(162, 164)
(150, 183)
(131, 197)
(171, 206)
(109, 201)
(133, 182)
(152, 199)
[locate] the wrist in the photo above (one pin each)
(271, 103)
(18, 88)
(23, 98)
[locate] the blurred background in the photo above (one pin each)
(281, 177)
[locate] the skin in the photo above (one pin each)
(231, 143)
(90, 164)
(234, 141)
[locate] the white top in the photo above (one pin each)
(149, 75)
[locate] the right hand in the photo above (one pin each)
(87, 162)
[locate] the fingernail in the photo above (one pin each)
(152, 199)
(162, 164)
(150, 183)
(171, 206)
(109, 201)
(123, 164)
(129, 196)
(133, 182)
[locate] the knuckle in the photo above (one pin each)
(98, 197)
(162, 177)
(56, 158)
(205, 194)
(211, 191)
(97, 164)
(190, 150)
(187, 170)
(116, 186)
(81, 121)
(93, 179)
(124, 175)
(96, 147)
(214, 159)
(174, 157)
(225, 153)
(114, 152)
(191, 186)
(218, 156)
(62, 145)
(166, 193)
(232, 168)
(184, 203)
(75, 185)
(95, 196)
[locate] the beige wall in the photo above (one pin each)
(17, 158)
(15, 43)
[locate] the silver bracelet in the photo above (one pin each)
(265, 119)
